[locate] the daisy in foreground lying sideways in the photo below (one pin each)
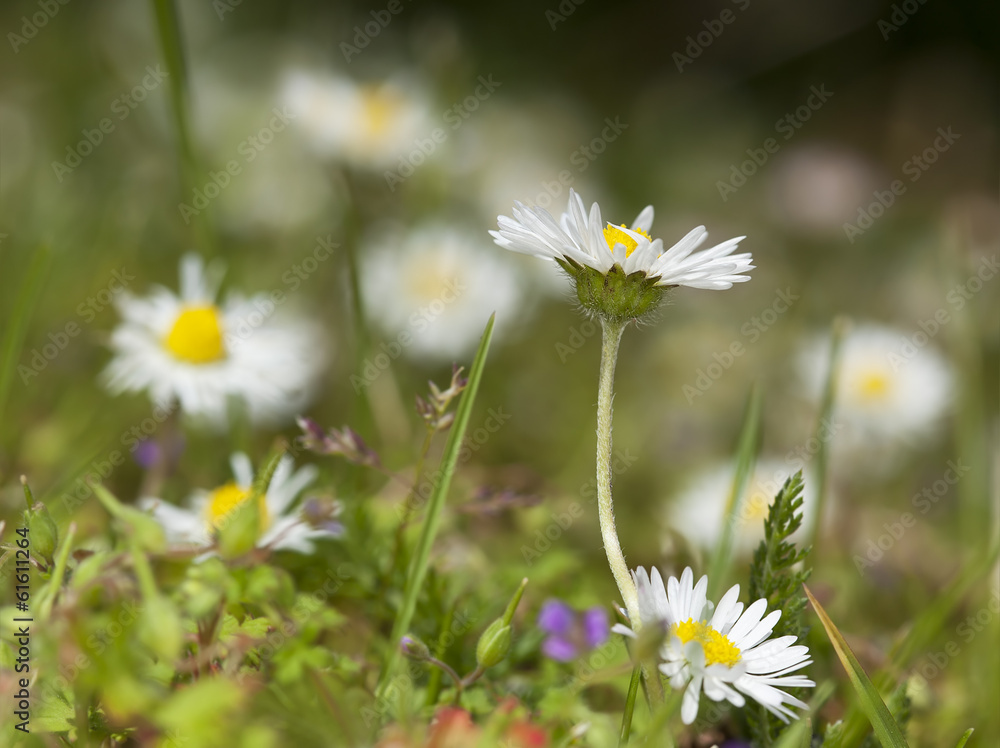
(190, 349)
(620, 272)
(281, 527)
(721, 651)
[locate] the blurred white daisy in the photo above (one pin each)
(433, 289)
(366, 125)
(282, 527)
(716, 649)
(699, 511)
(585, 240)
(191, 349)
(888, 390)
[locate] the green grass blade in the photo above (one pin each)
(965, 738)
(824, 419)
(746, 457)
(633, 691)
(17, 325)
(418, 566)
(168, 28)
(923, 632)
(878, 714)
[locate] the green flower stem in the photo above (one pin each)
(605, 507)
(612, 335)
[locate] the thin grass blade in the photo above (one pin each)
(418, 566)
(746, 458)
(878, 714)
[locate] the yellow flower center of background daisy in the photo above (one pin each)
(756, 506)
(718, 648)
(226, 499)
(381, 107)
(614, 235)
(432, 278)
(196, 336)
(873, 385)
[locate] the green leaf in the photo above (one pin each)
(421, 556)
(922, 633)
(746, 457)
(54, 712)
(774, 578)
(965, 738)
(885, 726)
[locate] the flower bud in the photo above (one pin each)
(414, 649)
(493, 644)
(43, 531)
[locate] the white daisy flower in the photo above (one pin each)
(888, 390)
(721, 650)
(282, 528)
(191, 349)
(699, 512)
(585, 240)
(433, 289)
(369, 126)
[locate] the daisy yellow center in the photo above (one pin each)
(224, 500)
(718, 649)
(873, 385)
(757, 506)
(380, 108)
(432, 279)
(196, 336)
(615, 235)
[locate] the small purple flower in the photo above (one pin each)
(569, 632)
(149, 452)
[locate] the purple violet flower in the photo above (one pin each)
(570, 632)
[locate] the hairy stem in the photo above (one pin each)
(605, 506)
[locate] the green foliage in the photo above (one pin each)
(773, 577)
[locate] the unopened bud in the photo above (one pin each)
(414, 649)
(493, 644)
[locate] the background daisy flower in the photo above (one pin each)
(439, 285)
(194, 350)
(698, 512)
(282, 527)
(584, 239)
(366, 125)
(886, 393)
(721, 650)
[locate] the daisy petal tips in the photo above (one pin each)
(621, 271)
